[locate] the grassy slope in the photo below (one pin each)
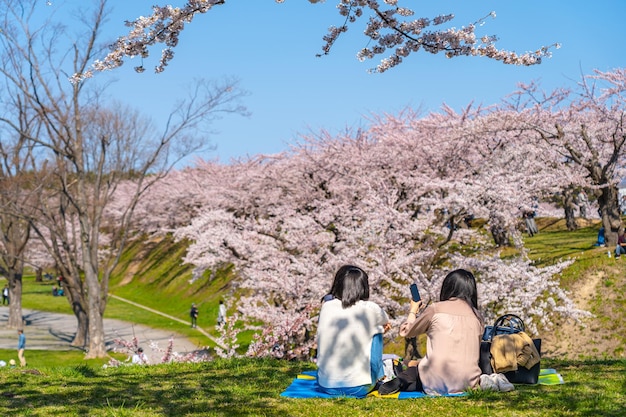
(596, 282)
(151, 273)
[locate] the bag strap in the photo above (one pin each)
(507, 318)
(502, 325)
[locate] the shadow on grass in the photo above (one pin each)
(247, 388)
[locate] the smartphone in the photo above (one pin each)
(415, 294)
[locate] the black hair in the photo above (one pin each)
(350, 285)
(461, 284)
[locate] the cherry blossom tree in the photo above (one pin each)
(583, 129)
(392, 30)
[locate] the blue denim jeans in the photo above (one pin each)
(376, 368)
(376, 358)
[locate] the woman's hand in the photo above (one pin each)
(416, 306)
(386, 327)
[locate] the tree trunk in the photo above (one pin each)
(498, 230)
(97, 347)
(82, 327)
(608, 200)
(500, 236)
(569, 206)
(38, 275)
(16, 319)
(75, 298)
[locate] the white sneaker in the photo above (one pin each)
(488, 383)
(503, 384)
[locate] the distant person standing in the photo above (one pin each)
(221, 314)
(582, 202)
(531, 225)
(5, 295)
(620, 249)
(193, 313)
(601, 238)
(21, 345)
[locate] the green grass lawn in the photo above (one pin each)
(249, 387)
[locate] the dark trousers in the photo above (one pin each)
(410, 379)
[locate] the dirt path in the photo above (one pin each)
(594, 337)
(55, 331)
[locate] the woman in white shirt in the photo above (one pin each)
(349, 337)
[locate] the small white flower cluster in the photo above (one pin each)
(167, 354)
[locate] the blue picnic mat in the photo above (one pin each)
(305, 386)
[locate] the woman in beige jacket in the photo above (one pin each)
(453, 327)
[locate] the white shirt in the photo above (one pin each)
(140, 359)
(344, 342)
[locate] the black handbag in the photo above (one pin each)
(508, 324)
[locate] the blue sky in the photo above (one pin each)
(271, 49)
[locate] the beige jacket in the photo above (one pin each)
(452, 347)
(508, 351)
